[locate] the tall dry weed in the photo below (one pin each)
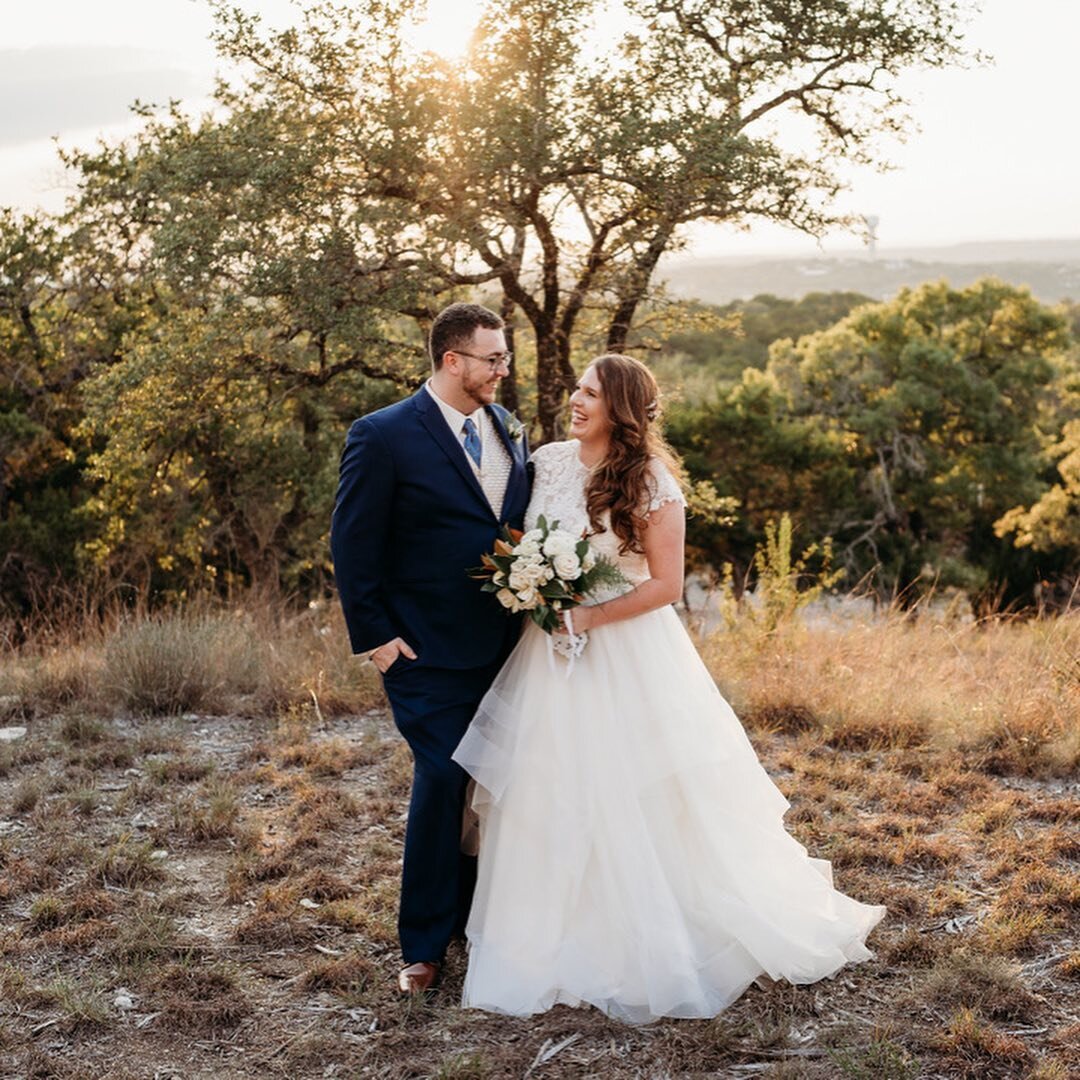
(41, 683)
(311, 663)
(255, 657)
(1004, 691)
(173, 664)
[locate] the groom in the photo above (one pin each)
(424, 486)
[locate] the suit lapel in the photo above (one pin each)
(432, 419)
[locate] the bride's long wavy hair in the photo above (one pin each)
(621, 482)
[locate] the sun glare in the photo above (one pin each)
(448, 27)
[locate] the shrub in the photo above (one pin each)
(181, 663)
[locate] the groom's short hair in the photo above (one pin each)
(453, 328)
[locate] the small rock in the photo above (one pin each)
(956, 926)
(124, 1001)
(10, 734)
(309, 904)
(158, 855)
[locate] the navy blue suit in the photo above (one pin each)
(409, 520)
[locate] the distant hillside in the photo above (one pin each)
(1051, 269)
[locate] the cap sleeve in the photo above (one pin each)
(663, 487)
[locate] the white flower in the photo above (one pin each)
(526, 548)
(531, 570)
(528, 599)
(533, 536)
(508, 599)
(559, 542)
(522, 576)
(589, 561)
(568, 567)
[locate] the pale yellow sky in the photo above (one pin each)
(996, 157)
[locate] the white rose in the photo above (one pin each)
(508, 599)
(527, 548)
(533, 536)
(520, 578)
(535, 573)
(528, 599)
(568, 567)
(559, 542)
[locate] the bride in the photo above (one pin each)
(632, 850)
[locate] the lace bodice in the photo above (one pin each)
(559, 495)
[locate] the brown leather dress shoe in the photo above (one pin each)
(418, 978)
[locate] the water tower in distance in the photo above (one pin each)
(871, 221)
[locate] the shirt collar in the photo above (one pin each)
(455, 419)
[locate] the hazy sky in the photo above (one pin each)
(997, 157)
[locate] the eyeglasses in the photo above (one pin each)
(494, 362)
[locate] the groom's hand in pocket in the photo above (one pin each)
(385, 656)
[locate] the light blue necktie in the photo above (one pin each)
(472, 441)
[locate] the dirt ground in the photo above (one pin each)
(215, 896)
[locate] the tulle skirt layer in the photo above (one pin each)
(633, 853)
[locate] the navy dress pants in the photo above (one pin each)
(432, 707)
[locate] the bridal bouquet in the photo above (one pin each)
(544, 572)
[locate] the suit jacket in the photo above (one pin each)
(410, 519)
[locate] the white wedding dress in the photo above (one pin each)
(632, 848)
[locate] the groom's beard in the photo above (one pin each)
(481, 390)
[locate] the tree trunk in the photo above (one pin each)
(508, 388)
(636, 288)
(550, 388)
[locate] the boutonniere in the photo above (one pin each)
(514, 428)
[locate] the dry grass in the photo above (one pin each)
(145, 934)
(167, 666)
(348, 977)
(200, 1000)
(203, 660)
(128, 863)
(178, 770)
(1002, 692)
(990, 986)
(976, 1050)
(213, 813)
(238, 875)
